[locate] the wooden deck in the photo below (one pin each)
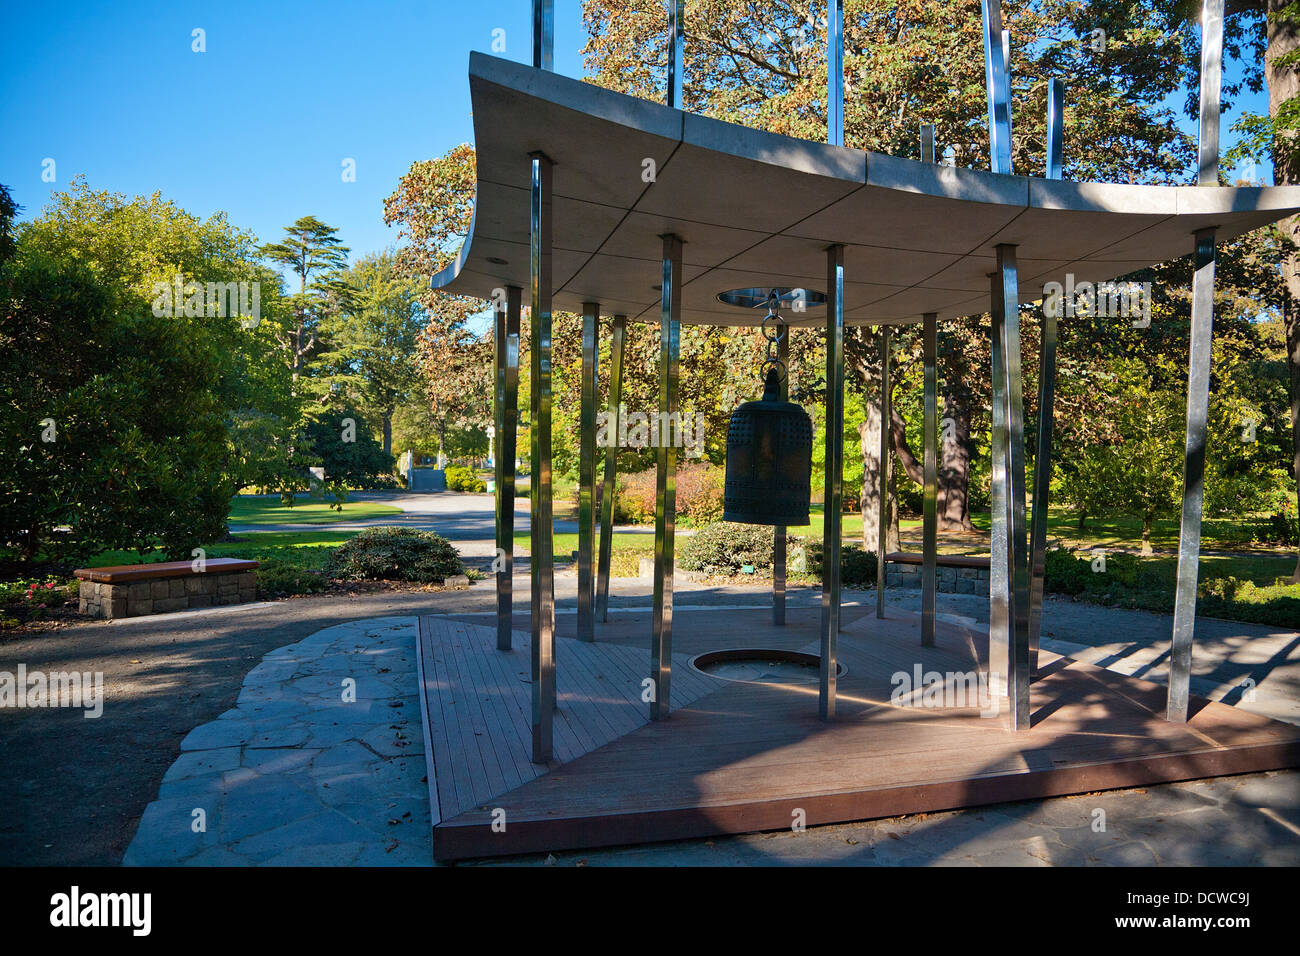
(741, 757)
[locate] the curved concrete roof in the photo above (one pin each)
(755, 209)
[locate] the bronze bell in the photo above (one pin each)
(769, 460)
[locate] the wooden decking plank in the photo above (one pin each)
(468, 765)
(470, 660)
(446, 753)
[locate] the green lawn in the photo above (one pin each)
(246, 509)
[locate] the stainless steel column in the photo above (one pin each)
(999, 583)
(542, 561)
(587, 472)
(670, 319)
(998, 86)
(1046, 402)
(929, 511)
(835, 72)
(1017, 545)
(676, 51)
(779, 532)
(1189, 536)
(612, 416)
(882, 536)
(506, 423)
(1042, 482)
(831, 528)
(544, 34)
(1198, 375)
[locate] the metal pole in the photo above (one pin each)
(1017, 550)
(831, 530)
(1198, 375)
(1046, 404)
(611, 466)
(998, 87)
(1042, 482)
(542, 562)
(507, 425)
(999, 583)
(587, 472)
(930, 517)
(1211, 82)
(779, 532)
(1189, 537)
(544, 34)
(835, 72)
(927, 143)
(676, 51)
(1055, 127)
(670, 319)
(882, 536)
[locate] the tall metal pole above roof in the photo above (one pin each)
(676, 51)
(835, 72)
(1055, 127)
(544, 34)
(997, 82)
(1211, 82)
(1046, 402)
(1198, 376)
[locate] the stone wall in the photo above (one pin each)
(167, 594)
(949, 580)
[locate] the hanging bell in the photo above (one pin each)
(769, 460)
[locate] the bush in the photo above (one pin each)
(395, 554)
(464, 479)
(700, 492)
(725, 547)
(857, 567)
(281, 577)
(699, 495)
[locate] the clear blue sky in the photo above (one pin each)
(260, 123)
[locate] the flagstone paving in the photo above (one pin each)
(320, 762)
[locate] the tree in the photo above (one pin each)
(371, 344)
(348, 451)
(314, 254)
(112, 414)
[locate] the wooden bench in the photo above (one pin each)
(956, 573)
(131, 590)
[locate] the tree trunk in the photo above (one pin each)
(1284, 85)
(388, 432)
(953, 504)
(1146, 535)
(869, 443)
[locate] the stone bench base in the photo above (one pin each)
(136, 598)
(948, 580)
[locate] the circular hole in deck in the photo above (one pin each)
(762, 665)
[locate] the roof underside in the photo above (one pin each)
(758, 210)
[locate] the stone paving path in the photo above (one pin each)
(296, 775)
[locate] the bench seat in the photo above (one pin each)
(940, 560)
(132, 590)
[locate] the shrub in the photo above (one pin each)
(725, 547)
(395, 554)
(857, 567)
(699, 495)
(464, 479)
(281, 577)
